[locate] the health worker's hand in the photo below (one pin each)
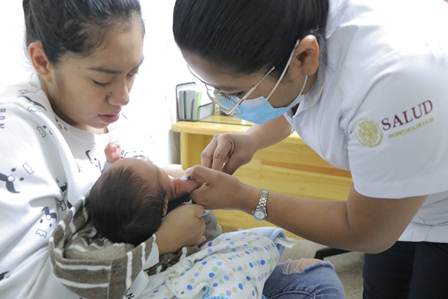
(181, 227)
(181, 186)
(228, 152)
(218, 190)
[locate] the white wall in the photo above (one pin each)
(13, 63)
(164, 67)
(153, 97)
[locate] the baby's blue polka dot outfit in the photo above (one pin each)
(234, 265)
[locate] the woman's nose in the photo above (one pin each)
(119, 95)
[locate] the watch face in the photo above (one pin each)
(259, 215)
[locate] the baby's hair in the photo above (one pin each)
(123, 208)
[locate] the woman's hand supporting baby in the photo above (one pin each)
(183, 226)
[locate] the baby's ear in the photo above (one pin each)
(183, 186)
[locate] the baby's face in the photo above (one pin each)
(153, 176)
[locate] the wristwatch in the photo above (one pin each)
(261, 211)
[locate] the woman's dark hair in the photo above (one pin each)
(76, 26)
(247, 35)
(123, 209)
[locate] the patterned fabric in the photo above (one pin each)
(94, 267)
(212, 230)
(234, 265)
(89, 265)
(49, 166)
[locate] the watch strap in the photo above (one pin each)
(262, 205)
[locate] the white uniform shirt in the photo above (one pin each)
(380, 105)
(45, 164)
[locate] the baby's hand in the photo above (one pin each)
(112, 152)
(183, 226)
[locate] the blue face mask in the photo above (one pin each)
(260, 110)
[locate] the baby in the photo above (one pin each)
(128, 202)
(126, 205)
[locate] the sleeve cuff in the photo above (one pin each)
(418, 186)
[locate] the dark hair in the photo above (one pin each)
(76, 26)
(247, 35)
(123, 209)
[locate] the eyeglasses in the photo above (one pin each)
(230, 103)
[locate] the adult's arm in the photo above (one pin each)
(359, 224)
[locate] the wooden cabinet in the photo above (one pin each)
(289, 167)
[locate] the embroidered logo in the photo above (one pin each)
(368, 133)
(410, 120)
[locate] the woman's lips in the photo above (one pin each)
(110, 118)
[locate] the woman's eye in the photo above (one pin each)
(99, 83)
(132, 75)
(229, 94)
(237, 94)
